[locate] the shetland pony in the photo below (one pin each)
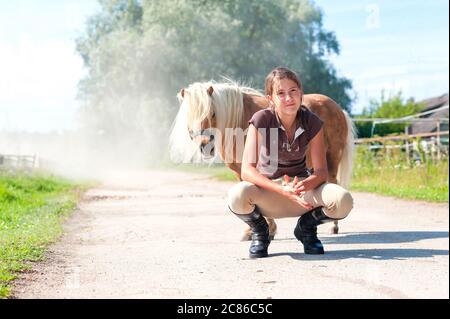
(207, 107)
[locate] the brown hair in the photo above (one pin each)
(277, 74)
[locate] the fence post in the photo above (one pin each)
(438, 139)
(407, 144)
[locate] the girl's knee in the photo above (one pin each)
(338, 201)
(240, 195)
(345, 204)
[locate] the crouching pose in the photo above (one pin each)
(276, 182)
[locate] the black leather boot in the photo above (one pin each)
(260, 233)
(306, 230)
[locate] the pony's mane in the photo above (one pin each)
(226, 103)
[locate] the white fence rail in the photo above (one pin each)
(12, 162)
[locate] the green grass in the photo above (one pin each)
(32, 208)
(390, 174)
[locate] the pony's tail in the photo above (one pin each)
(344, 172)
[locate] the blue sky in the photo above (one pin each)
(391, 45)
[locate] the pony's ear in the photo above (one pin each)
(210, 90)
(182, 93)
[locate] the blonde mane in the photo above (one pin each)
(225, 103)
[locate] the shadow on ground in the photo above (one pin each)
(373, 253)
(378, 237)
(383, 237)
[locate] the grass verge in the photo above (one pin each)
(32, 208)
(428, 182)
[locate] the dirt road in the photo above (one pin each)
(168, 235)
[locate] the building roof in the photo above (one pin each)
(429, 105)
(434, 102)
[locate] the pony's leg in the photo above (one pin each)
(272, 230)
(333, 163)
(247, 234)
(335, 228)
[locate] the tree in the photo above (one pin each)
(392, 107)
(139, 54)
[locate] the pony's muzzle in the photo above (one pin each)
(207, 146)
(205, 140)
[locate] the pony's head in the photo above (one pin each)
(206, 110)
(201, 118)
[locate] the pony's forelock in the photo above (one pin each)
(181, 147)
(199, 103)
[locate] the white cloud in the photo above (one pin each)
(38, 76)
(39, 68)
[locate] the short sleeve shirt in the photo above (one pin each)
(277, 155)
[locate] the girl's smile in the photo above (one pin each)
(287, 96)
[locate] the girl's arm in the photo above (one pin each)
(319, 162)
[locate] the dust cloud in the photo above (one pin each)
(128, 137)
(75, 154)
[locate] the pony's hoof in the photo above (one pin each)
(334, 230)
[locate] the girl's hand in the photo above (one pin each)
(290, 192)
(301, 187)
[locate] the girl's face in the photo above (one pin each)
(286, 96)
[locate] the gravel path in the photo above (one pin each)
(159, 234)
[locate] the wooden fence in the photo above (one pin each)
(430, 144)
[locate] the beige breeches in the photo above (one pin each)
(337, 202)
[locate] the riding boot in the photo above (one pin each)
(260, 232)
(306, 230)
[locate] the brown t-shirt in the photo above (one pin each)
(287, 158)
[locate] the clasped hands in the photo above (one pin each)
(296, 186)
(295, 189)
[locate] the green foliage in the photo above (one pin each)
(392, 107)
(31, 208)
(114, 15)
(139, 54)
